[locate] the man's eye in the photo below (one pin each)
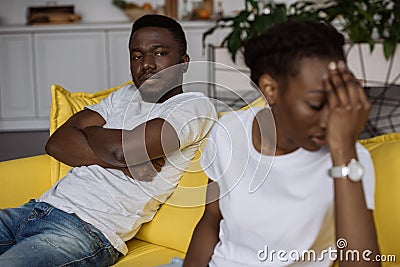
(160, 53)
(136, 57)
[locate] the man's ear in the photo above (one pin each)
(268, 87)
(185, 63)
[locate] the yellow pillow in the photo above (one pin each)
(259, 102)
(63, 105)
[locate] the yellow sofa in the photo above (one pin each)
(168, 234)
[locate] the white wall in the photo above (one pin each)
(13, 12)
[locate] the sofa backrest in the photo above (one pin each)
(176, 219)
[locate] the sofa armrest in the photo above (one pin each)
(385, 153)
(23, 179)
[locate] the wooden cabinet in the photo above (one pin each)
(16, 49)
(17, 91)
(118, 71)
(79, 57)
(76, 61)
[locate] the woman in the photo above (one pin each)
(286, 209)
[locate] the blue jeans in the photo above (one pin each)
(37, 234)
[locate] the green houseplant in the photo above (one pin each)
(365, 21)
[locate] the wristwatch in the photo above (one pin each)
(354, 171)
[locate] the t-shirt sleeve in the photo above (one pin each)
(368, 180)
(191, 115)
(208, 155)
(217, 153)
(217, 158)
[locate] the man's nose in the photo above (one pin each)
(148, 61)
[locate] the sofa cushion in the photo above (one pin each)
(174, 222)
(385, 153)
(23, 179)
(144, 254)
(63, 105)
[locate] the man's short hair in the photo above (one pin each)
(154, 20)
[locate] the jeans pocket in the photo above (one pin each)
(114, 254)
(110, 254)
(40, 210)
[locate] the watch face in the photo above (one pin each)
(356, 171)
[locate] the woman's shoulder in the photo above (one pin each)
(233, 122)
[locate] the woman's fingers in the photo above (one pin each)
(351, 86)
(338, 84)
(333, 101)
(365, 103)
(347, 89)
(347, 101)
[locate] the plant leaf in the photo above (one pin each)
(253, 4)
(234, 43)
(389, 47)
(260, 24)
(279, 14)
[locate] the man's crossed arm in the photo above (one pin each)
(82, 141)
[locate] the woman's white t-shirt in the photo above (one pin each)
(275, 209)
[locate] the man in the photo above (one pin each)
(128, 153)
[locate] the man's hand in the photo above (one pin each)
(69, 145)
(145, 171)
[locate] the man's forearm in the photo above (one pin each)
(70, 146)
(106, 144)
(148, 141)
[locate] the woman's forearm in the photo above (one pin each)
(201, 248)
(206, 234)
(354, 221)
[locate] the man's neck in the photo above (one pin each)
(176, 91)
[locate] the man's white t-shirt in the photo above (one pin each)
(108, 199)
(289, 206)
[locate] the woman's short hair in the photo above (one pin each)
(280, 48)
